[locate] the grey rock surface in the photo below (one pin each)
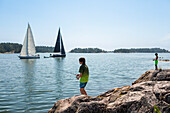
(152, 88)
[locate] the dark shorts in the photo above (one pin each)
(83, 85)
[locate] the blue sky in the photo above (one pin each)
(106, 24)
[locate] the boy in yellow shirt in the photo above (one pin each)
(84, 75)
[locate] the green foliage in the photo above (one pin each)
(87, 50)
(141, 50)
(156, 109)
(16, 48)
(10, 47)
(44, 49)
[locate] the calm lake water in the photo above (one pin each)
(34, 86)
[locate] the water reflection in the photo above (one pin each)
(28, 65)
(28, 81)
(58, 67)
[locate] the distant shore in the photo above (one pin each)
(8, 52)
(132, 50)
(16, 48)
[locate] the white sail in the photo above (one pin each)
(28, 45)
(31, 44)
(24, 50)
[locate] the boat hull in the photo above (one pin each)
(29, 57)
(57, 55)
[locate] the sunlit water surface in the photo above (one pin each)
(35, 85)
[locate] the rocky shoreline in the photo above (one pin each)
(151, 89)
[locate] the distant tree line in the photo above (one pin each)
(16, 48)
(87, 50)
(10, 47)
(141, 50)
(43, 49)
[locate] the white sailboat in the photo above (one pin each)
(28, 50)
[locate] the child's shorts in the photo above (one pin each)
(156, 62)
(82, 85)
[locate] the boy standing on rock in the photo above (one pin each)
(84, 75)
(156, 61)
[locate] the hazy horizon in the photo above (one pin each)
(107, 25)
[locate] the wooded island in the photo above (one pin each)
(16, 48)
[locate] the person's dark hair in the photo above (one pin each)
(82, 60)
(156, 54)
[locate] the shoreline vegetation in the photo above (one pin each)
(16, 48)
(132, 50)
(87, 50)
(141, 50)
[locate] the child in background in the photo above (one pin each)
(156, 61)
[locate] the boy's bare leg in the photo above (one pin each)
(156, 68)
(83, 92)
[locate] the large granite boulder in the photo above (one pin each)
(152, 88)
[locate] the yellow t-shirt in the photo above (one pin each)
(85, 73)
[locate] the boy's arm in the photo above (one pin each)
(81, 70)
(156, 57)
(79, 76)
